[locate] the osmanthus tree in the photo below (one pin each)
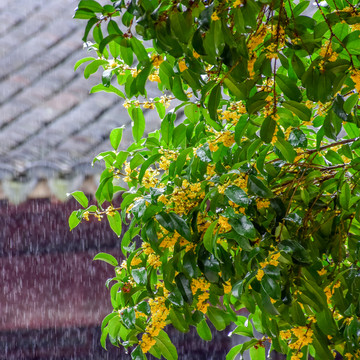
(251, 198)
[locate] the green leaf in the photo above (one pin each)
(203, 330)
(288, 87)
(107, 258)
(128, 317)
(271, 286)
(80, 197)
(209, 237)
(93, 67)
(139, 50)
(345, 196)
(84, 14)
(286, 149)
(108, 39)
(137, 354)
(90, 5)
(351, 42)
(139, 275)
(183, 285)
(108, 89)
(167, 348)
(350, 102)
(214, 100)
(257, 353)
(138, 126)
(257, 187)
(217, 317)
(116, 136)
(105, 189)
(106, 77)
(243, 226)
(244, 327)
(298, 109)
(167, 128)
(231, 355)
(178, 321)
(93, 20)
(267, 129)
(74, 219)
(81, 61)
(115, 223)
(104, 335)
(297, 138)
(237, 195)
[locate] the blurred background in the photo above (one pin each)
(52, 295)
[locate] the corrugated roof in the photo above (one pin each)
(50, 126)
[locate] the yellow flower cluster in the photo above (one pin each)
(237, 208)
(154, 77)
(186, 197)
(135, 261)
(159, 314)
(240, 181)
(303, 335)
(214, 16)
(262, 204)
(327, 52)
(227, 287)
(169, 240)
(226, 138)
(154, 261)
(149, 179)
(128, 172)
(167, 158)
(156, 60)
(188, 245)
(224, 224)
(237, 3)
(233, 112)
(203, 286)
(329, 292)
(147, 249)
(273, 260)
(355, 77)
(257, 38)
(251, 64)
(182, 65)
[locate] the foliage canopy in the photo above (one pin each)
(251, 198)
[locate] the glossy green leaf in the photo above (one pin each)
(166, 347)
(107, 258)
(115, 137)
(243, 226)
(93, 67)
(138, 125)
(203, 330)
(237, 195)
(257, 187)
(298, 109)
(115, 223)
(288, 87)
(80, 197)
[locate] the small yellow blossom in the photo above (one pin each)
(154, 78)
(196, 55)
(224, 224)
(182, 65)
(156, 60)
(214, 16)
(262, 204)
(260, 274)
